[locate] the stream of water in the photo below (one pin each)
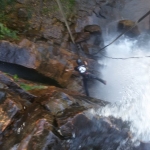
(128, 81)
(128, 85)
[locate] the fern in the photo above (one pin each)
(5, 32)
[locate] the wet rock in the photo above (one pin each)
(143, 146)
(56, 70)
(57, 100)
(85, 133)
(125, 25)
(51, 141)
(99, 13)
(34, 131)
(68, 130)
(91, 40)
(92, 29)
(64, 104)
(93, 44)
(82, 36)
(8, 109)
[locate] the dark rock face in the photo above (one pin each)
(18, 55)
(94, 134)
(125, 25)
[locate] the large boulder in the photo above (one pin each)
(92, 29)
(28, 55)
(81, 36)
(125, 25)
(12, 53)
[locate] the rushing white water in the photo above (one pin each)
(128, 87)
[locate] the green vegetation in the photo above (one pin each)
(3, 5)
(24, 86)
(5, 32)
(28, 87)
(69, 4)
(3, 17)
(15, 77)
(68, 7)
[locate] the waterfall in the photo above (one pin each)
(128, 86)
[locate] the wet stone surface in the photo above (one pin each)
(59, 119)
(125, 25)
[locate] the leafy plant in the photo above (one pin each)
(3, 17)
(5, 32)
(28, 87)
(15, 77)
(5, 3)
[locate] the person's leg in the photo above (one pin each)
(91, 76)
(85, 86)
(101, 80)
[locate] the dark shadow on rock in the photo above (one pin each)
(27, 73)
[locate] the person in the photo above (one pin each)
(86, 75)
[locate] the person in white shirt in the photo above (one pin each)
(82, 69)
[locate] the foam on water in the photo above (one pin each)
(128, 87)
